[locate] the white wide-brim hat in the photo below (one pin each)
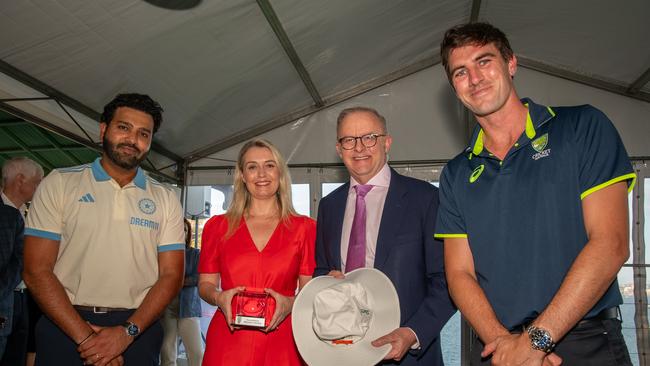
(327, 293)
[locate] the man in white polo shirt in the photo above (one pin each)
(104, 248)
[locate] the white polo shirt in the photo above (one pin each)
(109, 236)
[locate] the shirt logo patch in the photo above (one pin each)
(147, 206)
(541, 154)
(476, 173)
(539, 144)
(87, 198)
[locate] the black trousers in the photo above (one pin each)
(16, 350)
(593, 343)
(55, 348)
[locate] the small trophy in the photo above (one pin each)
(252, 308)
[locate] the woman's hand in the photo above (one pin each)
(283, 305)
(223, 299)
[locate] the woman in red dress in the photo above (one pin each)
(260, 242)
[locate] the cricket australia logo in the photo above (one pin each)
(147, 206)
(539, 145)
(476, 173)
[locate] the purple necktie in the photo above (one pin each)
(357, 246)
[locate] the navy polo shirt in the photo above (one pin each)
(523, 216)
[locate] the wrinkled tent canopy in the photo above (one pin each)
(226, 71)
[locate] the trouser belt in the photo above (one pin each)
(99, 309)
(609, 313)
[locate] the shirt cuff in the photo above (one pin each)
(416, 345)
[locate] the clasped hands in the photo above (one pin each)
(515, 349)
(105, 346)
(283, 305)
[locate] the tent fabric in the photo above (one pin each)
(220, 71)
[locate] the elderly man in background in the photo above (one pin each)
(20, 177)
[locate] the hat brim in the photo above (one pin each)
(386, 318)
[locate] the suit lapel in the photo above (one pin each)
(338, 212)
(390, 218)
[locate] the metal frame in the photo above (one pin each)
(639, 265)
(287, 46)
(639, 83)
(609, 86)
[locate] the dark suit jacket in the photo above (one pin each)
(406, 252)
(11, 260)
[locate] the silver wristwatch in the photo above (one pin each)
(540, 339)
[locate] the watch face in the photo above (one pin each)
(132, 329)
(541, 340)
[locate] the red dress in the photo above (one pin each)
(288, 253)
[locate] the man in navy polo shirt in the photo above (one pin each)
(534, 217)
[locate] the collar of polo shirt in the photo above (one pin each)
(101, 175)
(537, 115)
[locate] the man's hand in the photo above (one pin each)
(401, 340)
(336, 274)
(515, 349)
(106, 346)
(283, 305)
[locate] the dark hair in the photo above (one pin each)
(478, 34)
(347, 111)
(141, 102)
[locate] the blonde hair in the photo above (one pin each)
(241, 197)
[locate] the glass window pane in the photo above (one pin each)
(300, 198)
(450, 341)
(327, 188)
(626, 285)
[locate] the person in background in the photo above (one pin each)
(20, 177)
(181, 318)
(11, 249)
(261, 242)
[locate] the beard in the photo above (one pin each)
(120, 159)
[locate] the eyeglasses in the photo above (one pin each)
(350, 142)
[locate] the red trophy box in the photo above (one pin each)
(252, 308)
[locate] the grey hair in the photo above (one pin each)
(20, 165)
(347, 111)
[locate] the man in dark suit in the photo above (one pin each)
(384, 220)
(11, 264)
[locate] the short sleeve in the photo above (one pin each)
(603, 160)
(308, 259)
(450, 222)
(45, 218)
(212, 235)
(172, 236)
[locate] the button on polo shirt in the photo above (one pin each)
(109, 236)
(523, 216)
